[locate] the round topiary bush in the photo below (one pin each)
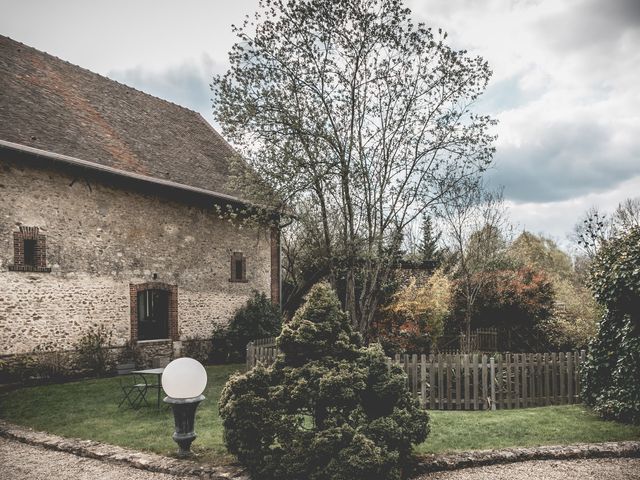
(327, 409)
(611, 375)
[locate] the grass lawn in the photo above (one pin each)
(527, 427)
(88, 409)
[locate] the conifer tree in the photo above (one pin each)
(327, 409)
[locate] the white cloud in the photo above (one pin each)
(565, 93)
(564, 86)
(556, 219)
(186, 84)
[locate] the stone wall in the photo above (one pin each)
(103, 236)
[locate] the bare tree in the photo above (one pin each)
(593, 229)
(475, 223)
(627, 215)
(596, 227)
(351, 106)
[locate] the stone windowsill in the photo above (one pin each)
(28, 268)
(155, 340)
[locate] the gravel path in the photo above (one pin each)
(19, 461)
(601, 468)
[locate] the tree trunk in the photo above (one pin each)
(350, 298)
(467, 315)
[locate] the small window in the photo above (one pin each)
(238, 267)
(30, 253)
(153, 314)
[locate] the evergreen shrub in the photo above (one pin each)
(258, 318)
(611, 375)
(327, 409)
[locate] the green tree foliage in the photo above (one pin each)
(327, 409)
(519, 300)
(542, 254)
(352, 107)
(429, 248)
(612, 372)
(259, 318)
(575, 316)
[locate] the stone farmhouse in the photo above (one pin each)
(110, 204)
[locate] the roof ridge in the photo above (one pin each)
(105, 77)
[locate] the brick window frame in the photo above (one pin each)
(39, 252)
(234, 277)
(172, 290)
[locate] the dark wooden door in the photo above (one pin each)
(153, 314)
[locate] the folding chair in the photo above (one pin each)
(134, 388)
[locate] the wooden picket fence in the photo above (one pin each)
(262, 350)
(476, 381)
(501, 381)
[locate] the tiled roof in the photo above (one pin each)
(52, 105)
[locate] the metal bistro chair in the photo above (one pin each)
(134, 386)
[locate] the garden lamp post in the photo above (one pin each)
(184, 380)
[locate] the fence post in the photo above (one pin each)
(449, 384)
(563, 375)
(517, 363)
(485, 390)
(474, 360)
(466, 381)
(440, 382)
(458, 404)
(414, 368)
(582, 359)
(546, 388)
(250, 356)
(432, 383)
(407, 370)
(507, 400)
(492, 379)
(524, 381)
(570, 378)
(423, 380)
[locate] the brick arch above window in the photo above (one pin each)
(172, 291)
(29, 251)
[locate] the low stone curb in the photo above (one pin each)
(425, 464)
(480, 458)
(119, 455)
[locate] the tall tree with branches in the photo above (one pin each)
(475, 223)
(351, 105)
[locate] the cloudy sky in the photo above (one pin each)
(566, 84)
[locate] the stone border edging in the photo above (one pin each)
(119, 455)
(425, 464)
(480, 458)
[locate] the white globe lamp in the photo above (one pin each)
(184, 380)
